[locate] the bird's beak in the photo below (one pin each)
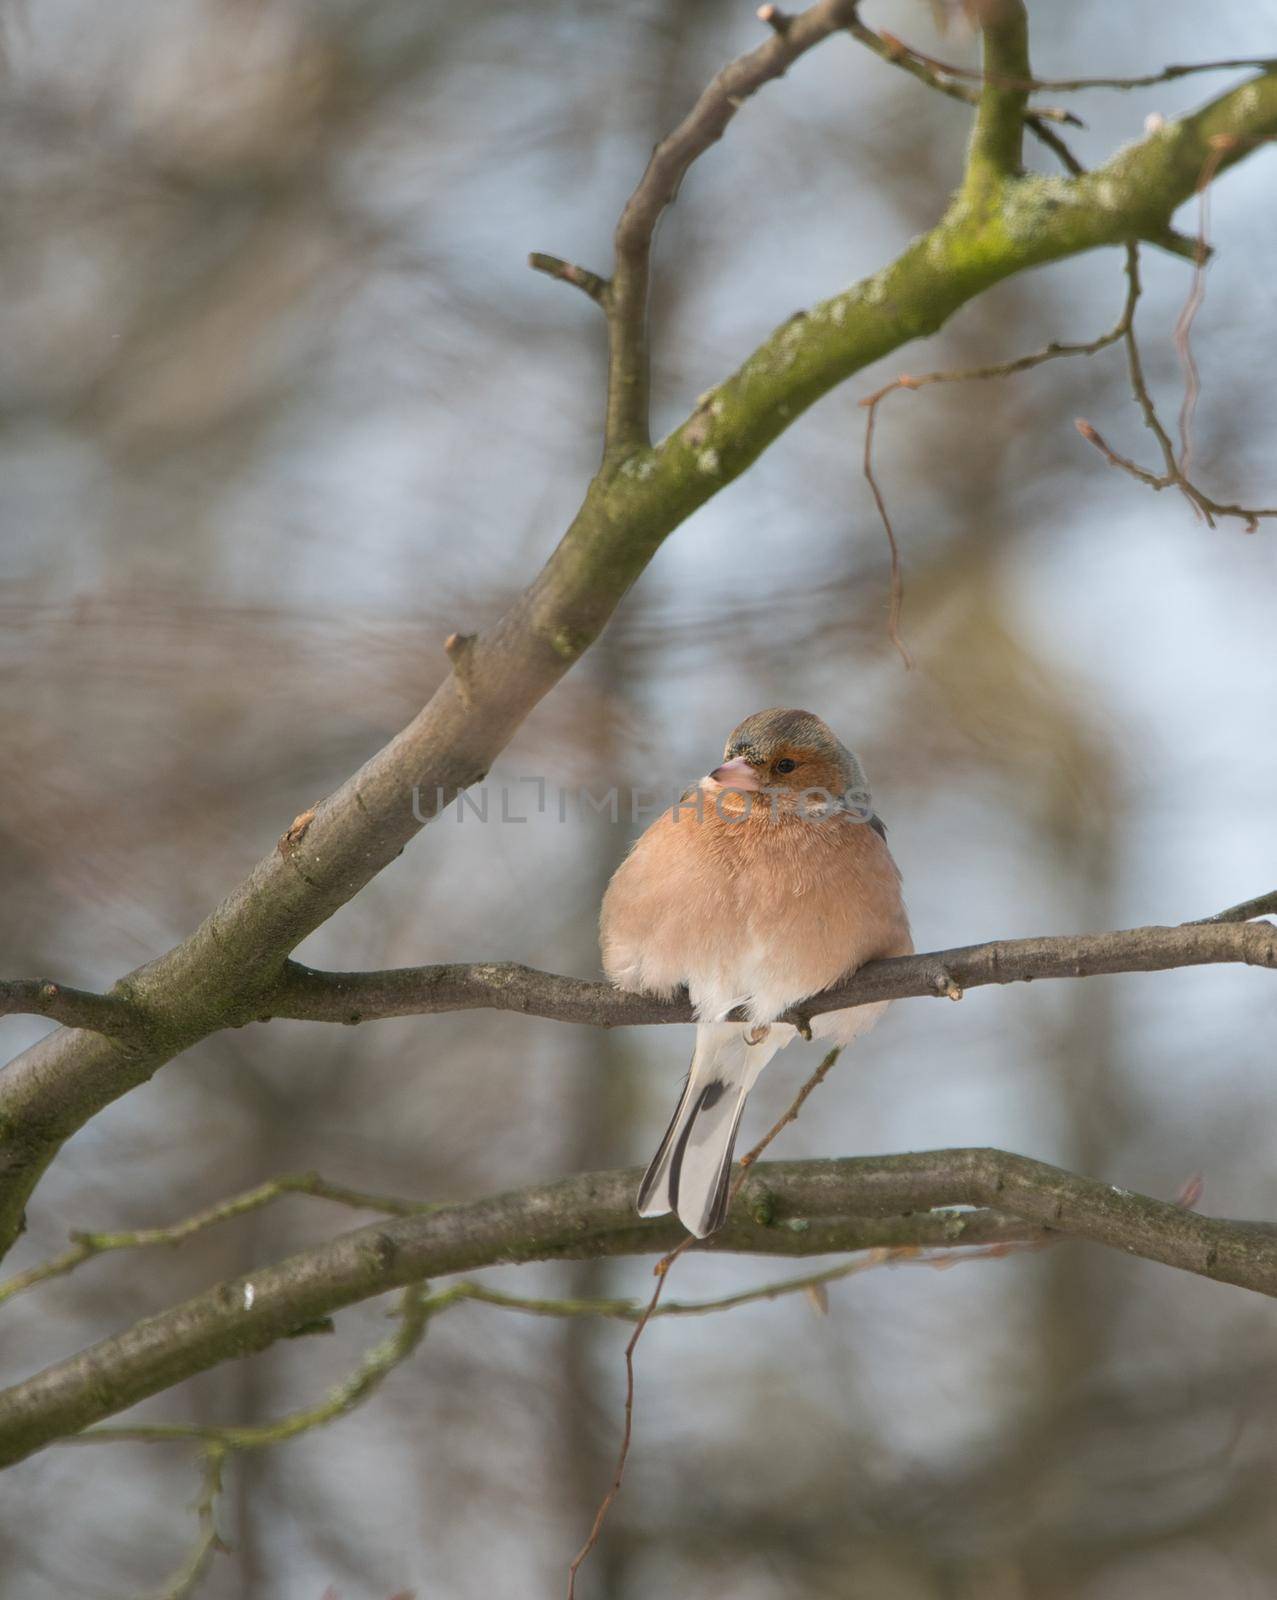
(738, 773)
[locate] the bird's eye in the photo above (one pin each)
(786, 765)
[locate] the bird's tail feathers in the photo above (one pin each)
(691, 1169)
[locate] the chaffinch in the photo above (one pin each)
(769, 881)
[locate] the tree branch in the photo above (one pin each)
(220, 1442)
(237, 955)
(310, 995)
(85, 1245)
(629, 375)
(580, 277)
(918, 62)
(938, 75)
(1000, 369)
(984, 1234)
(1175, 471)
(1004, 1236)
(307, 994)
(207, 1539)
(74, 1008)
(794, 1208)
(997, 138)
(1263, 905)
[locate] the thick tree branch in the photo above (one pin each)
(350, 997)
(795, 1208)
(238, 953)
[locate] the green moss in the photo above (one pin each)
(571, 642)
(762, 1207)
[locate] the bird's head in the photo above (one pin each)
(792, 751)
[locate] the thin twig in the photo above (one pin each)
(207, 1539)
(800, 1099)
(1092, 435)
(1072, 85)
(1000, 369)
(662, 1271)
(896, 604)
(74, 1008)
(1192, 305)
(1144, 399)
(580, 277)
(1017, 1237)
(1172, 474)
(85, 1245)
(1263, 905)
(1006, 369)
(219, 1442)
(627, 426)
(1037, 119)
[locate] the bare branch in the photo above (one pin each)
(1193, 304)
(662, 1271)
(220, 1442)
(1263, 905)
(1027, 83)
(1173, 474)
(85, 1246)
(896, 578)
(629, 376)
(797, 1208)
(1003, 1236)
(307, 994)
(1037, 119)
(186, 1579)
(946, 80)
(351, 997)
(74, 1008)
(581, 277)
(1000, 369)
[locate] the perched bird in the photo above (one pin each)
(769, 881)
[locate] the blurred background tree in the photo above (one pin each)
(282, 408)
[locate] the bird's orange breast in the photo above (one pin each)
(725, 902)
